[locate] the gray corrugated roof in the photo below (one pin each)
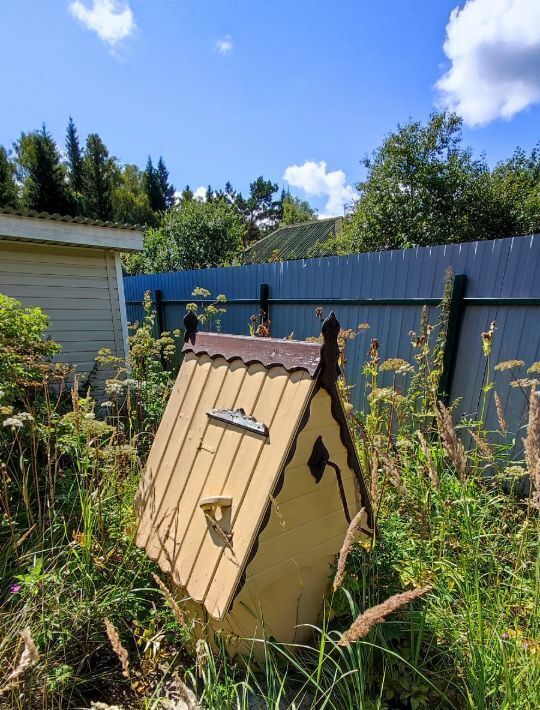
(295, 241)
(69, 219)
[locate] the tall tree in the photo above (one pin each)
(422, 187)
(152, 186)
(9, 193)
(129, 198)
(296, 211)
(99, 176)
(167, 188)
(261, 211)
(74, 158)
(194, 235)
(43, 175)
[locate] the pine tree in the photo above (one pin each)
(152, 187)
(187, 194)
(42, 172)
(9, 194)
(99, 174)
(167, 188)
(74, 158)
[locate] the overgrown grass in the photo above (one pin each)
(447, 518)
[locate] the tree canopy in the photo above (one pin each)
(423, 187)
(193, 235)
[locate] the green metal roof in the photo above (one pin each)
(296, 241)
(67, 218)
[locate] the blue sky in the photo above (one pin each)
(231, 89)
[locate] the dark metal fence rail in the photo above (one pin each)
(498, 280)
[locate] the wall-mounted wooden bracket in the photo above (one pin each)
(239, 418)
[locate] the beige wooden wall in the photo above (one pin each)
(76, 287)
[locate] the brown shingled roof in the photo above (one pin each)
(290, 354)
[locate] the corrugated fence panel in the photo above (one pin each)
(503, 268)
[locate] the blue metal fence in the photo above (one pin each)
(385, 290)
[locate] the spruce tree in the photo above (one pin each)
(152, 187)
(99, 172)
(167, 188)
(74, 158)
(9, 194)
(41, 170)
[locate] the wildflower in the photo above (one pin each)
(13, 422)
(221, 298)
(192, 307)
(106, 404)
(524, 382)
(508, 365)
(361, 627)
(199, 291)
(487, 338)
(15, 588)
(534, 368)
(25, 417)
(393, 363)
(374, 351)
(364, 326)
(90, 415)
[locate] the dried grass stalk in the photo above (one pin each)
(361, 627)
(374, 477)
(348, 540)
(29, 657)
(392, 472)
(483, 446)
(430, 464)
(171, 601)
(503, 426)
(532, 448)
(117, 647)
(450, 440)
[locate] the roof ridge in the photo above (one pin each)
(69, 219)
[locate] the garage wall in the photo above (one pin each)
(77, 288)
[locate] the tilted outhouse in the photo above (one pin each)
(252, 480)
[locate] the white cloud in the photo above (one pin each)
(314, 180)
(200, 193)
(111, 20)
(225, 45)
(494, 50)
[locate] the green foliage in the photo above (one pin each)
(167, 188)
(99, 175)
(296, 211)
(260, 209)
(74, 158)
(42, 172)
(153, 187)
(9, 194)
(25, 348)
(129, 199)
(195, 235)
(422, 187)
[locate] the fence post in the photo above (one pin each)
(160, 315)
(264, 295)
(453, 329)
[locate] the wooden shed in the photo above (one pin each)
(70, 267)
(252, 480)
